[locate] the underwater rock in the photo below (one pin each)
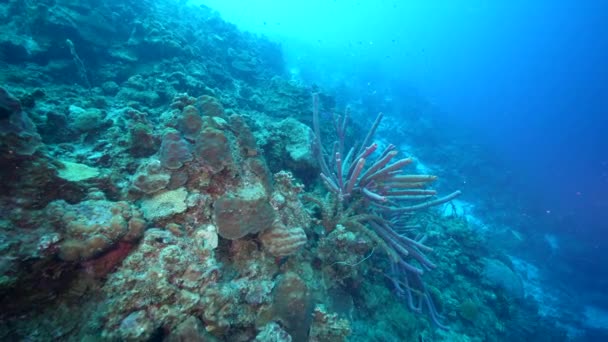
(298, 144)
(32, 183)
(286, 201)
(76, 172)
(246, 138)
(92, 227)
(56, 128)
(343, 250)
(257, 166)
(251, 262)
(243, 212)
(28, 100)
(272, 332)
(292, 306)
(498, 275)
(79, 20)
(225, 311)
(148, 98)
(110, 88)
(18, 133)
(281, 98)
(16, 48)
(206, 236)
(287, 234)
(210, 106)
(328, 327)
(182, 100)
(164, 280)
(150, 177)
(136, 327)
(100, 267)
(470, 310)
(190, 330)
(151, 41)
(9, 104)
(85, 120)
(193, 82)
(289, 146)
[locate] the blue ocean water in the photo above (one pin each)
(214, 170)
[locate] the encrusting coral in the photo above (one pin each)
(92, 227)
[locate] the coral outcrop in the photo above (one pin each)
(246, 211)
(92, 227)
(160, 285)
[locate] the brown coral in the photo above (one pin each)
(210, 106)
(212, 150)
(292, 306)
(190, 122)
(244, 212)
(282, 241)
(174, 150)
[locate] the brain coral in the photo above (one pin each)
(282, 241)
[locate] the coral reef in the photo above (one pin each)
(163, 269)
(160, 181)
